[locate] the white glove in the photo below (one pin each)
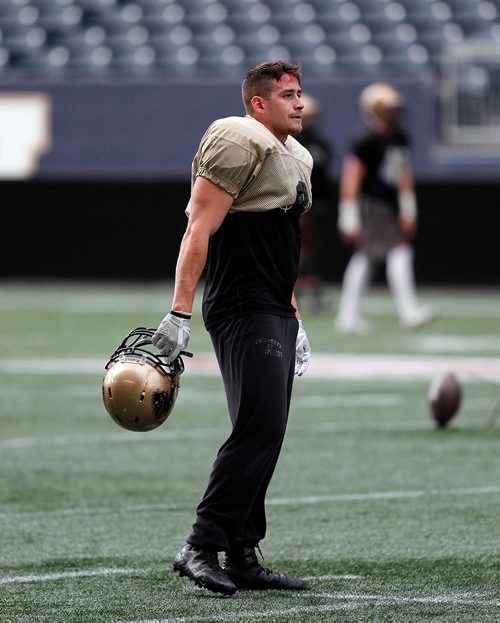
(302, 351)
(408, 205)
(173, 334)
(349, 218)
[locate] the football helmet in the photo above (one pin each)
(381, 102)
(139, 389)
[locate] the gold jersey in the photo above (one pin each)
(243, 157)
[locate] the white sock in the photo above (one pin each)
(354, 283)
(401, 280)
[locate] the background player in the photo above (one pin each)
(378, 211)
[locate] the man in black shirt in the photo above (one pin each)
(378, 212)
(250, 185)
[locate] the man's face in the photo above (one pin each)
(282, 111)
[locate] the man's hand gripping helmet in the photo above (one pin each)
(140, 389)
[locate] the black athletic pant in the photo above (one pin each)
(256, 355)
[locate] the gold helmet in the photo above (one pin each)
(139, 389)
(381, 102)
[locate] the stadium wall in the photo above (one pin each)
(131, 230)
(151, 130)
(107, 199)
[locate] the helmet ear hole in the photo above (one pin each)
(139, 388)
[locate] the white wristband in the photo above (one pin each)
(349, 221)
(408, 205)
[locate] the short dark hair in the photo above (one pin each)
(259, 80)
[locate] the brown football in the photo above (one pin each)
(444, 397)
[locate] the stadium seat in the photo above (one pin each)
(230, 60)
(203, 37)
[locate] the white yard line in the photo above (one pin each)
(296, 501)
(343, 601)
(382, 495)
(64, 575)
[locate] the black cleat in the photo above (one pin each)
(202, 567)
(244, 570)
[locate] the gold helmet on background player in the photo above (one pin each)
(381, 102)
(139, 389)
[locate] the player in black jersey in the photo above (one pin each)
(251, 183)
(378, 211)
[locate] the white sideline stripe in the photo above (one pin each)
(63, 575)
(299, 501)
(323, 366)
(351, 602)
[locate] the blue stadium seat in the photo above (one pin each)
(228, 60)
(203, 37)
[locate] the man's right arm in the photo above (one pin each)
(209, 206)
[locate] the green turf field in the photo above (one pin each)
(388, 518)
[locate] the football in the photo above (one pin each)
(444, 397)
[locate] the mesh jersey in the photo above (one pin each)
(253, 257)
(243, 157)
(384, 156)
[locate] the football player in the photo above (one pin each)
(250, 186)
(378, 211)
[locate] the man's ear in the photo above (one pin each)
(257, 103)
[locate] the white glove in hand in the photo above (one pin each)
(173, 334)
(302, 351)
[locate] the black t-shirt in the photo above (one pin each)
(253, 257)
(252, 265)
(383, 156)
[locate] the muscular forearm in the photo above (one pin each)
(190, 264)
(209, 206)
